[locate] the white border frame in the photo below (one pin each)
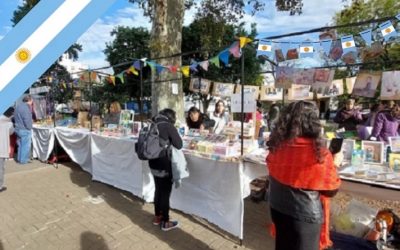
(391, 139)
(363, 143)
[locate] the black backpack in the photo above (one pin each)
(150, 145)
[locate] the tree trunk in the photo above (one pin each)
(166, 39)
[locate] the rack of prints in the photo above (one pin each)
(394, 155)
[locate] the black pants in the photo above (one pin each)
(161, 196)
(292, 234)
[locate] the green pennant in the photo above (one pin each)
(215, 61)
(121, 77)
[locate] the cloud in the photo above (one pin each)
(94, 40)
(316, 13)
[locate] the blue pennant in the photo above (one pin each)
(367, 36)
(326, 46)
(224, 56)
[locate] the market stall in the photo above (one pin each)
(42, 142)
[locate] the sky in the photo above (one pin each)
(316, 13)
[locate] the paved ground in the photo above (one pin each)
(49, 208)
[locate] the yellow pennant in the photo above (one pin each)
(185, 70)
(244, 41)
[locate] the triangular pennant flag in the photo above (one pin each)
(244, 41)
(137, 64)
(387, 30)
(326, 46)
(224, 56)
(152, 65)
(204, 65)
(111, 80)
(306, 50)
(284, 47)
(185, 70)
(159, 68)
(64, 85)
(234, 49)
(121, 77)
(76, 82)
(193, 66)
(133, 71)
(348, 44)
(215, 61)
(398, 16)
(264, 48)
(173, 69)
(367, 36)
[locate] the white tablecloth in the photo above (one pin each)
(42, 142)
(214, 190)
(115, 162)
(76, 143)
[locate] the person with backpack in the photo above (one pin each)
(161, 168)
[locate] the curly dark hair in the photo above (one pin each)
(298, 119)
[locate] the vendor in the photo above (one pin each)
(113, 115)
(196, 120)
(348, 117)
(220, 117)
(386, 124)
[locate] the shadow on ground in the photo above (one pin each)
(89, 239)
(256, 236)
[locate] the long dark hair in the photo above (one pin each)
(299, 119)
(216, 108)
(192, 124)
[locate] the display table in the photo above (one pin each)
(42, 142)
(76, 143)
(115, 162)
(215, 191)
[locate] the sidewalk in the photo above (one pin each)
(49, 208)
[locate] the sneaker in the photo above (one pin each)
(3, 189)
(157, 220)
(169, 225)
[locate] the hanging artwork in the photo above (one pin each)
(279, 55)
(271, 93)
(303, 76)
(390, 87)
(323, 78)
(248, 89)
(200, 85)
(292, 54)
(284, 77)
(300, 92)
(223, 89)
(366, 84)
(335, 89)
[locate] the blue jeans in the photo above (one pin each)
(24, 141)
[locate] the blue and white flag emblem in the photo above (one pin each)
(387, 30)
(39, 39)
(306, 50)
(264, 48)
(348, 44)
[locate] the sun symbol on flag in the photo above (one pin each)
(23, 55)
(348, 44)
(306, 49)
(264, 47)
(388, 30)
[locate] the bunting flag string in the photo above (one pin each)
(289, 50)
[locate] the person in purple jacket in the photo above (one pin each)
(348, 117)
(386, 124)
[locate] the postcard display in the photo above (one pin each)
(373, 163)
(225, 147)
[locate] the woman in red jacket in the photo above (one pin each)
(302, 178)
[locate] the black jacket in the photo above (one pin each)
(170, 133)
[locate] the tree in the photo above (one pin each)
(166, 37)
(210, 36)
(128, 44)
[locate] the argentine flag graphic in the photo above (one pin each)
(39, 39)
